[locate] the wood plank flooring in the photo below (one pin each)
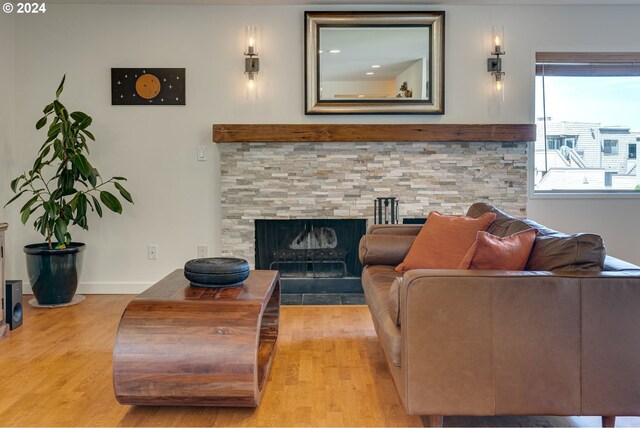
(329, 370)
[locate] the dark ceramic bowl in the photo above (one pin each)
(216, 272)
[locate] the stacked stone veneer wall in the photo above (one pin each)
(341, 180)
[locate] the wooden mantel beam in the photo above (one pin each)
(312, 133)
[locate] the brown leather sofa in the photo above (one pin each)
(564, 340)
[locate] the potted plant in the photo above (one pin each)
(61, 187)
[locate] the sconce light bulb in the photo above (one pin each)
(498, 85)
(251, 34)
(251, 88)
(498, 40)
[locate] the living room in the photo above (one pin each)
(187, 201)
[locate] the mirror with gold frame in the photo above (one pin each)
(374, 62)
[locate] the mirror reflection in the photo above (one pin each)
(374, 63)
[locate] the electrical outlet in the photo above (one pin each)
(152, 252)
(203, 251)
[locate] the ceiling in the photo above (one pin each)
(354, 2)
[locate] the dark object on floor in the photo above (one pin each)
(323, 299)
(14, 303)
(53, 274)
(216, 271)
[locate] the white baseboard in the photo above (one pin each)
(103, 287)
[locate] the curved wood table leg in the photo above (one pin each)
(182, 345)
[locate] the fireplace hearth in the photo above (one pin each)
(312, 255)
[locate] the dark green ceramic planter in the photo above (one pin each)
(54, 274)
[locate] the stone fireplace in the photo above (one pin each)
(290, 181)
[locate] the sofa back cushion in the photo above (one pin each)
(552, 250)
(443, 241)
(582, 251)
(491, 252)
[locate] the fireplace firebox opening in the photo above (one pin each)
(312, 255)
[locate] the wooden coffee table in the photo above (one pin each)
(183, 345)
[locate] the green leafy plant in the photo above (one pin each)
(62, 185)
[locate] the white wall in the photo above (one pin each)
(177, 198)
(7, 124)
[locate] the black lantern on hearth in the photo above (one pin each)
(385, 210)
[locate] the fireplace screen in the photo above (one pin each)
(325, 248)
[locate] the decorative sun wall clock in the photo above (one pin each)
(148, 86)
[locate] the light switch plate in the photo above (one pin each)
(202, 152)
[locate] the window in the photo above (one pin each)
(610, 147)
(555, 143)
(587, 121)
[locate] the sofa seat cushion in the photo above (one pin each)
(443, 241)
(552, 250)
(376, 281)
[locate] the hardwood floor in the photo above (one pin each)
(329, 370)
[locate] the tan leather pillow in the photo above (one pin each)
(443, 241)
(491, 252)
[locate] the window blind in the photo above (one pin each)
(587, 64)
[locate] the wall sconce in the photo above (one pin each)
(494, 65)
(251, 63)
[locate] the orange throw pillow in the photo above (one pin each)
(491, 252)
(443, 241)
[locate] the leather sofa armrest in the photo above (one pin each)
(473, 341)
(384, 249)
